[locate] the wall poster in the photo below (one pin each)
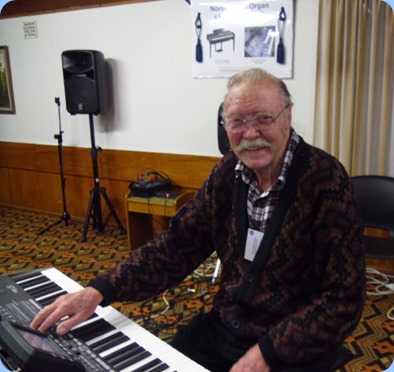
(233, 35)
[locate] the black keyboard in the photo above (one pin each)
(108, 341)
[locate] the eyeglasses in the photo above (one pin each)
(261, 122)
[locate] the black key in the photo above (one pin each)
(92, 330)
(17, 277)
(124, 352)
(160, 368)
(132, 360)
(108, 342)
(37, 280)
(48, 300)
(156, 365)
(43, 290)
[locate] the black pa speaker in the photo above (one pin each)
(85, 84)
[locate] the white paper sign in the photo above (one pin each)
(30, 30)
(234, 35)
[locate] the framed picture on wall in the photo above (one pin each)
(7, 103)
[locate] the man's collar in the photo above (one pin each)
(248, 174)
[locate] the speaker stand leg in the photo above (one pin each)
(94, 212)
(112, 212)
(89, 214)
(65, 217)
(94, 208)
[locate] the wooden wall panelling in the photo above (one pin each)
(18, 155)
(5, 186)
(77, 192)
(46, 158)
(26, 7)
(41, 190)
(30, 176)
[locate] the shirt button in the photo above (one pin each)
(249, 278)
(235, 324)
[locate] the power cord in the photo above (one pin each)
(157, 319)
(208, 268)
(166, 308)
(382, 284)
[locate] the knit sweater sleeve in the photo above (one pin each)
(166, 260)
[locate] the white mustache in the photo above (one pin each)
(255, 144)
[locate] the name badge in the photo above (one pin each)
(253, 241)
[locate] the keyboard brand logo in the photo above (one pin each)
(12, 288)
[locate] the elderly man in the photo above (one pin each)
(282, 218)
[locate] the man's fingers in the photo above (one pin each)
(45, 318)
(49, 317)
(65, 326)
(76, 306)
(51, 314)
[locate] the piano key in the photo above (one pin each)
(155, 354)
(116, 355)
(91, 319)
(48, 299)
(104, 331)
(92, 330)
(43, 289)
(102, 337)
(58, 277)
(26, 276)
(139, 354)
(159, 348)
(147, 365)
(141, 359)
(33, 281)
(109, 342)
(155, 365)
(170, 356)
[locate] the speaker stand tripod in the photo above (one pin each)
(94, 208)
(65, 216)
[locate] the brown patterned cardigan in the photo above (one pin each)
(305, 290)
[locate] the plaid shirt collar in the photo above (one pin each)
(248, 175)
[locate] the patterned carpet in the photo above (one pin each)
(23, 248)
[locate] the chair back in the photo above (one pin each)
(223, 141)
(375, 197)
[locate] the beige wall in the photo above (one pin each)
(157, 106)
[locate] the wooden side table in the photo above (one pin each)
(140, 213)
